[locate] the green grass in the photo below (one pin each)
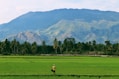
(66, 65)
(58, 77)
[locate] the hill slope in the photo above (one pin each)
(82, 24)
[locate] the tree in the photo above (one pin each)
(55, 45)
(108, 48)
(5, 47)
(14, 47)
(25, 48)
(94, 46)
(69, 44)
(60, 46)
(79, 47)
(115, 48)
(44, 47)
(0, 47)
(34, 48)
(101, 49)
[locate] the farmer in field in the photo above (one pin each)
(53, 69)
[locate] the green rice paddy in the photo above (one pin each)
(67, 67)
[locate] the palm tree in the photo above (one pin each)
(44, 47)
(34, 48)
(55, 46)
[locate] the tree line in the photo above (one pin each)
(68, 46)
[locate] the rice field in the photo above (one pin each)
(67, 67)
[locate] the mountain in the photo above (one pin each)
(83, 31)
(27, 36)
(82, 24)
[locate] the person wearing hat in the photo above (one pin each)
(53, 69)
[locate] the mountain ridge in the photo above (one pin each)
(62, 23)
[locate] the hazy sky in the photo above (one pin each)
(10, 9)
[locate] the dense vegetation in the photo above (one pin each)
(68, 46)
